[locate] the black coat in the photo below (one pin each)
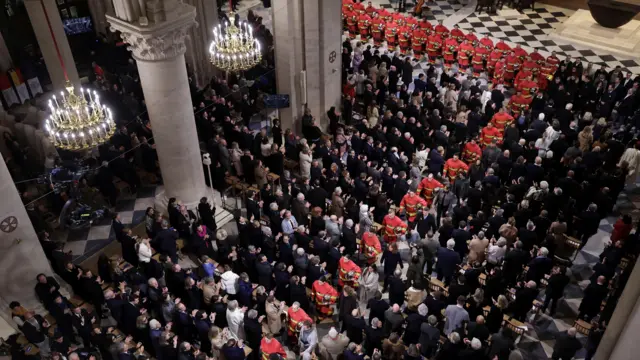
(207, 215)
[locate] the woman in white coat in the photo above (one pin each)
(235, 320)
(368, 284)
(305, 162)
(144, 251)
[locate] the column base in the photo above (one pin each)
(162, 201)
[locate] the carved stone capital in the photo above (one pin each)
(157, 41)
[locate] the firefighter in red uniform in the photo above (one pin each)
(364, 21)
(392, 227)
(411, 204)
(390, 31)
(522, 74)
(296, 316)
(385, 15)
(490, 134)
(426, 188)
(404, 38)
(453, 166)
(513, 63)
(348, 272)
(434, 46)
(457, 34)
(528, 87)
(425, 26)
(553, 60)
(398, 18)
(486, 43)
(501, 120)
(518, 104)
(537, 58)
(465, 52)
(325, 297)
(503, 47)
(473, 39)
(377, 29)
(494, 57)
(347, 9)
(520, 53)
(270, 346)
(359, 7)
(370, 247)
(418, 39)
(450, 47)
(352, 24)
(370, 9)
(411, 22)
(500, 69)
(471, 152)
(479, 57)
(441, 30)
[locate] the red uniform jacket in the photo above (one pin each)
(478, 57)
(520, 53)
(493, 58)
(411, 204)
(473, 39)
(398, 18)
(370, 10)
(471, 152)
(359, 7)
(518, 104)
(434, 44)
(390, 32)
(348, 272)
(418, 39)
(487, 44)
(499, 71)
(488, 134)
(553, 61)
(535, 56)
(529, 65)
(393, 226)
(323, 293)
(426, 26)
(385, 15)
(411, 22)
(450, 46)
(503, 47)
(404, 36)
(452, 167)
(352, 22)
(458, 35)
(501, 120)
(371, 247)
(441, 30)
(513, 63)
(426, 188)
(295, 318)
(377, 29)
(271, 347)
(465, 52)
(364, 21)
(528, 88)
(522, 74)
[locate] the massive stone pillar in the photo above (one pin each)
(620, 340)
(199, 39)
(21, 255)
(307, 37)
(158, 49)
(98, 10)
(46, 21)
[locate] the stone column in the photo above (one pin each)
(289, 58)
(159, 49)
(199, 39)
(38, 19)
(5, 57)
(21, 255)
(98, 10)
(307, 37)
(620, 339)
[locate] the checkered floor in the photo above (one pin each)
(438, 10)
(86, 242)
(531, 31)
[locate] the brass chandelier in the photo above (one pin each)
(78, 122)
(235, 48)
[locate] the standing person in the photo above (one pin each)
(566, 345)
(455, 315)
(35, 330)
(555, 289)
(207, 214)
(592, 300)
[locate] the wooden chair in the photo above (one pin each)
(582, 326)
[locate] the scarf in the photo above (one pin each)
(202, 233)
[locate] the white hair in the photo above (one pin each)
(544, 251)
(154, 324)
(476, 344)
(349, 223)
(423, 310)
(451, 244)
(338, 190)
(364, 208)
(300, 251)
(569, 106)
(541, 116)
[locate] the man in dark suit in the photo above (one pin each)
(115, 304)
(589, 223)
(130, 313)
(592, 300)
(461, 236)
(165, 242)
(419, 84)
(35, 330)
(514, 262)
(253, 206)
(377, 307)
(539, 266)
(83, 322)
(448, 261)
(524, 300)
(47, 289)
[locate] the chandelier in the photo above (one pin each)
(78, 122)
(235, 48)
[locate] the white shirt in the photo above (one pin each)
(235, 319)
(144, 252)
(229, 281)
(495, 253)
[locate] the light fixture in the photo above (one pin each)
(234, 48)
(78, 121)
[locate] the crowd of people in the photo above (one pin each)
(486, 166)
